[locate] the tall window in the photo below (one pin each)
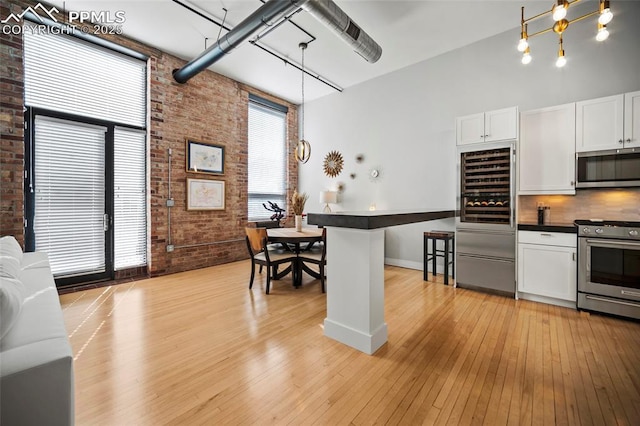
(267, 157)
(86, 192)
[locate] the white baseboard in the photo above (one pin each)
(403, 263)
(547, 300)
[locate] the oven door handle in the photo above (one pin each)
(618, 302)
(617, 244)
(630, 293)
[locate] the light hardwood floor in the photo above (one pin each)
(201, 348)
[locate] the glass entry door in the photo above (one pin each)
(71, 215)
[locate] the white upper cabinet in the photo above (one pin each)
(606, 123)
(491, 126)
(599, 123)
(501, 125)
(632, 120)
(546, 161)
(470, 129)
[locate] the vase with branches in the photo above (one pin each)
(297, 206)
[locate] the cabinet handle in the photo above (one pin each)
(620, 141)
(546, 235)
(573, 183)
(482, 136)
(628, 140)
(573, 256)
(486, 136)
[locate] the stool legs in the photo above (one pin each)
(433, 246)
(447, 253)
(425, 261)
(453, 260)
(446, 262)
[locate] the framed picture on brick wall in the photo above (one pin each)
(204, 194)
(204, 158)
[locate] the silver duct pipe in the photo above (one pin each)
(245, 29)
(327, 12)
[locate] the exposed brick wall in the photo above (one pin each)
(209, 108)
(11, 131)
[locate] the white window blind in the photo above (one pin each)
(66, 74)
(267, 160)
(69, 191)
(130, 199)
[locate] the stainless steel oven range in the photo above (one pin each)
(609, 267)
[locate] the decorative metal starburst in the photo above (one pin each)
(333, 164)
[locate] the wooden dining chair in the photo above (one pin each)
(317, 257)
(257, 244)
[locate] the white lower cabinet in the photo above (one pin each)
(547, 267)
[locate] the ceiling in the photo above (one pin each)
(408, 32)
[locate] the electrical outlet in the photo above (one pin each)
(170, 248)
(170, 202)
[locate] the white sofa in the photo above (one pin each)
(36, 361)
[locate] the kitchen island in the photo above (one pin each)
(355, 272)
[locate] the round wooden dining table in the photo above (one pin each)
(292, 239)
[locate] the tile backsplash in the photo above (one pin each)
(614, 204)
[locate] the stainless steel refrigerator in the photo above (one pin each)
(485, 229)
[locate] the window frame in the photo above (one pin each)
(265, 104)
(79, 116)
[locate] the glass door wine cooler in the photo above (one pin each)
(486, 186)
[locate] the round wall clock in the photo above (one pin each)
(333, 164)
(375, 174)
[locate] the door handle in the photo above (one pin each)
(617, 302)
(617, 244)
(105, 222)
(630, 293)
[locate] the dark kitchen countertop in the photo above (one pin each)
(567, 228)
(376, 219)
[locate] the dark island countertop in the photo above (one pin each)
(567, 228)
(377, 218)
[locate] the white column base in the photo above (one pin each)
(355, 288)
(367, 343)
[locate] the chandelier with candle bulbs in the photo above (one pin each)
(559, 14)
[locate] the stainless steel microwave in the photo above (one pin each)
(608, 169)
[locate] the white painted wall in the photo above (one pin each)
(404, 122)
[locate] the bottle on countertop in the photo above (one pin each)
(540, 214)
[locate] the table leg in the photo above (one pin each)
(294, 272)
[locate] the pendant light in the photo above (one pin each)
(303, 149)
(602, 34)
(561, 61)
(605, 13)
(561, 23)
(559, 11)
